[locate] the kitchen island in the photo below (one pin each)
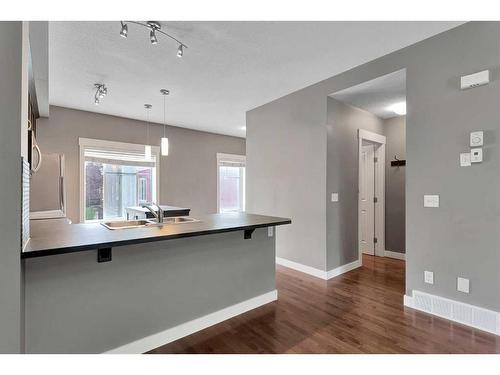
(162, 282)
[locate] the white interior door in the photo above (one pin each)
(366, 199)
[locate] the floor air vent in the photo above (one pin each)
(477, 317)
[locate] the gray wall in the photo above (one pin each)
(343, 122)
(395, 132)
(13, 110)
(76, 305)
(458, 239)
(188, 176)
(286, 173)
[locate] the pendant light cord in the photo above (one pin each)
(147, 126)
(164, 125)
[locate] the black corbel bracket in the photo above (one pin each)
(248, 233)
(104, 255)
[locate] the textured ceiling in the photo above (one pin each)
(229, 67)
(377, 95)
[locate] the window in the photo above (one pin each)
(230, 183)
(115, 176)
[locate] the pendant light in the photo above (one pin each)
(147, 147)
(164, 140)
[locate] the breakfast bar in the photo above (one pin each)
(169, 280)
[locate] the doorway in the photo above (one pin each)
(371, 193)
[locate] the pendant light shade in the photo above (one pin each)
(164, 146)
(164, 140)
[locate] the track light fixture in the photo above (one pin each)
(154, 28)
(100, 92)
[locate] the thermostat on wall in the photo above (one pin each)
(475, 80)
(476, 139)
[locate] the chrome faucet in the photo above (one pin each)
(158, 215)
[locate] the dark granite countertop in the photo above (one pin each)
(51, 238)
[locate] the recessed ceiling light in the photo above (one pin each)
(398, 108)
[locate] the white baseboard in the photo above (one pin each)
(325, 275)
(395, 255)
(161, 338)
(343, 269)
(463, 313)
(301, 268)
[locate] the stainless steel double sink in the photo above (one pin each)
(128, 224)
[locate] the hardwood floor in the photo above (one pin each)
(358, 312)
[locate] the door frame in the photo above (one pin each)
(380, 140)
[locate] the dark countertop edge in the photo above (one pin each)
(75, 249)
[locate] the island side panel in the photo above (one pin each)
(76, 305)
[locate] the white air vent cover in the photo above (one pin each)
(477, 317)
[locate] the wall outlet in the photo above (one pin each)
(429, 277)
(270, 231)
(462, 285)
(431, 200)
(476, 155)
(476, 139)
(335, 197)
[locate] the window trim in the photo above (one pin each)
(234, 157)
(115, 146)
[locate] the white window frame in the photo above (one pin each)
(85, 143)
(234, 157)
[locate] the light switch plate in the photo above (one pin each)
(335, 197)
(476, 155)
(429, 277)
(465, 159)
(431, 200)
(270, 231)
(462, 285)
(476, 139)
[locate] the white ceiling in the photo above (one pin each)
(377, 95)
(229, 67)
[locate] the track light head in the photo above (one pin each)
(152, 37)
(100, 92)
(124, 30)
(180, 50)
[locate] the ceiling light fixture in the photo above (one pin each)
(154, 28)
(147, 147)
(398, 108)
(164, 140)
(100, 92)
(124, 30)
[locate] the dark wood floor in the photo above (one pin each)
(359, 312)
